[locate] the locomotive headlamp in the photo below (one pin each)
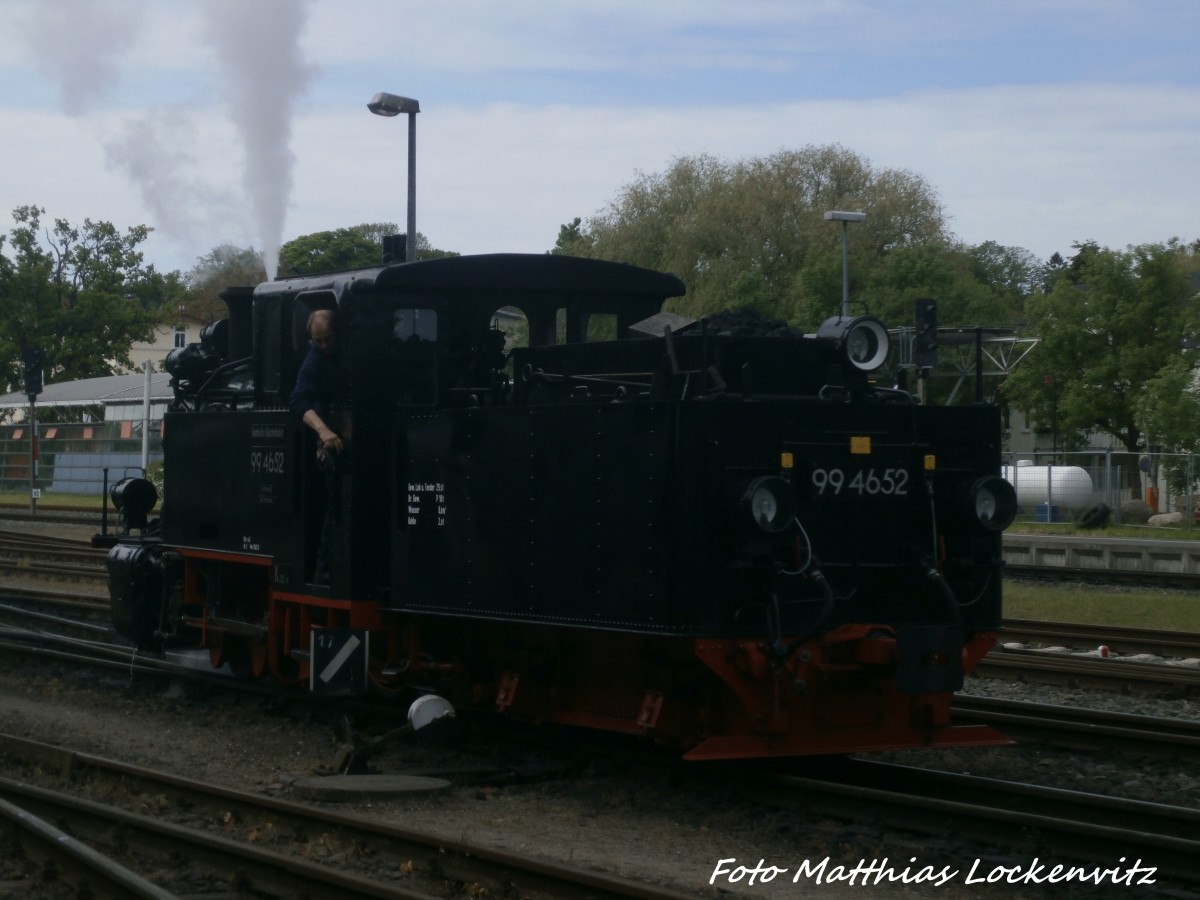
(994, 502)
(863, 341)
(768, 502)
(134, 498)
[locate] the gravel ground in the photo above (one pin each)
(621, 816)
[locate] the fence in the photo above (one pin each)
(1060, 487)
(72, 457)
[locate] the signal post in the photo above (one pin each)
(34, 360)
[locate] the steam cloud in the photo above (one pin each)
(257, 45)
(80, 46)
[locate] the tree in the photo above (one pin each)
(328, 251)
(753, 231)
(345, 248)
(224, 267)
(1115, 325)
(80, 294)
(571, 240)
(1013, 273)
(1055, 267)
(1169, 411)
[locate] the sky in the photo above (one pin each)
(1039, 123)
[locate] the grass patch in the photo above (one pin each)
(48, 498)
(1170, 610)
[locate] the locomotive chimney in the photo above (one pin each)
(240, 303)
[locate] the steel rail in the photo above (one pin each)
(1122, 675)
(261, 871)
(1081, 728)
(1084, 826)
(91, 873)
(1157, 642)
(453, 860)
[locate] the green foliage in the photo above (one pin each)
(948, 274)
(224, 267)
(329, 251)
(346, 248)
(1117, 328)
(155, 474)
(80, 293)
(753, 232)
(1012, 273)
(571, 240)
(1169, 412)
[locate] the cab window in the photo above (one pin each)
(413, 350)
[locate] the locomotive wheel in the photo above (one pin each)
(246, 659)
(378, 686)
(287, 671)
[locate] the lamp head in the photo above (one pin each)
(837, 215)
(392, 105)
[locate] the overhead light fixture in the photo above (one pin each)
(392, 105)
(389, 105)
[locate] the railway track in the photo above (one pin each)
(1124, 660)
(1118, 640)
(51, 570)
(1081, 728)
(1090, 671)
(1070, 825)
(278, 848)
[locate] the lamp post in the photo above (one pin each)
(391, 105)
(845, 218)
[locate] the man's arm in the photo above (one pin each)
(328, 438)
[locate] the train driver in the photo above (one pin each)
(316, 381)
(312, 400)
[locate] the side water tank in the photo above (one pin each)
(1069, 487)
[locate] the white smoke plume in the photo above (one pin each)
(158, 152)
(84, 46)
(258, 44)
(80, 46)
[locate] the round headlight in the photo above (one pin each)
(863, 341)
(866, 344)
(768, 502)
(994, 502)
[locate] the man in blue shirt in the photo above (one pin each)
(317, 379)
(312, 400)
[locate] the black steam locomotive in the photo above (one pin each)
(738, 544)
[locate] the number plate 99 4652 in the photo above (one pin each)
(854, 482)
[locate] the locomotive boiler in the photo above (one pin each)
(738, 544)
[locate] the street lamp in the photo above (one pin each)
(391, 105)
(845, 218)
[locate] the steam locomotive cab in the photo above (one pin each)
(740, 545)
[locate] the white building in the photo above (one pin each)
(183, 330)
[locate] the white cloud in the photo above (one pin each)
(1037, 165)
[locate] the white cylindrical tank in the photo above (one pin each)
(1069, 487)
